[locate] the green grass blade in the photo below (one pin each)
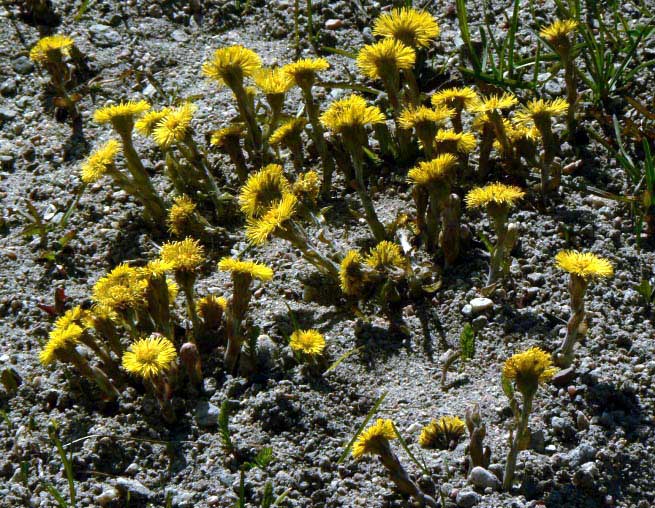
(403, 443)
(361, 428)
(343, 357)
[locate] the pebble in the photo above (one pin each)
(104, 36)
(467, 498)
(564, 376)
(536, 279)
(179, 36)
(581, 421)
(206, 414)
(8, 87)
(23, 65)
(586, 475)
(134, 487)
(482, 479)
(480, 305)
(580, 454)
(107, 496)
(333, 24)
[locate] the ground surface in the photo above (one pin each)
(593, 436)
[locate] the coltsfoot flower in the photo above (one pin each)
(529, 369)
(99, 162)
(442, 433)
(248, 268)
(52, 48)
(307, 342)
(538, 110)
(150, 357)
(273, 81)
(263, 190)
(417, 117)
(184, 256)
(230, 134)
(304, 71)
(447, 140)
(259, 229)
(60, 339)
(584, 264)
(175, 126)
(463, 98)
(351, 275)
(494, 194)
(558, 30)
(384, 58)
(373, 438)
(434, 171)
(307, 186)
(288, 131)
(386, 255)
(409, 26)
(349, 113)
(230, 65)
(495, 103)
(211, 309)
(122, 115)
(121, 289)
(147, 123)
(181, 214)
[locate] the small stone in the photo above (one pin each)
(580, 454)
(467, 310)
(132, 469)
(581, 421)
(536, 278)
(136, 489)
(479, 323)
(482, 479)
(104, 36)
(414, 427)
(179, 36)
(467, 498)
(480, 305)
(206, 414)
(586, 475)
(8, 87)
(107, 496)
(333, 24)
(564, 377)
(23, 65)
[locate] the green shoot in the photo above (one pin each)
(467, 342)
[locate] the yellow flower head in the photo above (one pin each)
(211, 309)
(122, 115)
(528, 369)
(350, 273)
(231, 65)
(263, 190)
(99, 162)
(150, 357)
(409, 26)
(442, 433)
(350, 113)
(385, 59)
(495, 103)
(558, 30)
(273, 81)
(386, 255)
(287, 132)
(259, 229)
(456, 98)
(147, 123)
(121, 289)
(307, 342)
(539, 110)
(61, 338)
(51, 49)
(175, 125)
(74, 316)
(307, 185)
(173, 290)
(184, 256)
(370, 441)
(156, 268)
(434, 171)
(249, 268)
(493, 194)
(303, 72)
(181, 215)
(584, 264)
(462, 142)
(416, 117)
(231, 134)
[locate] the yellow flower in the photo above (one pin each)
(211, 305)
(181, 214)
(175, 125)
(370, 441)
(385, 58)
(249, 268)
(273, 81)
(75, 316)
(409, 26)
(149, 357)
(528, 369)
(493, 194)
(463, 142)
(303, 72)
(457, 98)
(307, 185)
(147, 123)
(386, 255)
(414, 117)
(441, 433)
(287, 131)
(230, 134)
(263, 190)
(259, 229)
(121, 289)
(350, 272)
(495, 102)
(184, 256)
(156, 268)
(173, 290)
(61, 338)
(99, 162)
(540, 110)
(51, 49)
(231, 65)
(308, 342)
(121, 115)
(584, 264)
(351, 112)
(558, 30)
(433, 171)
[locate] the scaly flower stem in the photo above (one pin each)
(297, 236)
(571, 95)
(456, 120)
(512, 455)
(318, 135)
(374, 223)
(498, 254)
(499, 130)
(577, 289)
(412, 85)
(391, 84)
(248, 115)
(186, 283)
(550, 146)
(486, 144)
(191, 152)
(93, 374)
(450, 229)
